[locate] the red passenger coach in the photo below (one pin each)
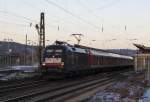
(90, 58)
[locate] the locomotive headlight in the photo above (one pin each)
(62, 63)
(43, 64)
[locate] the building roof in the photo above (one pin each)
(143, 48)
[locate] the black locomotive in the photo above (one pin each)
(63, 58)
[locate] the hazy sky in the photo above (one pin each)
(123, 20)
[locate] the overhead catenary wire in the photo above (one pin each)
(21, 17)
(108, 5)
(70, 13)
(17, 15)
(17, 24)
(88, 9)
(99, 8)
(38, 9)
(31, 5)
(30, 22)
(58, 27)
(91, 11)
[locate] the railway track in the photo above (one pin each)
(14, 91)
(68, 92)
(22, 84)
(52, 93)
(8, 88)
(16, 81)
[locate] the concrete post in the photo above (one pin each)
(135, 67)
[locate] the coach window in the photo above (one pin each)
(96, 59)
(101, 60)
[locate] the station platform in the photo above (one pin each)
(22, 68)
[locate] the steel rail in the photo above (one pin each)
(54, 89)
(20, 86)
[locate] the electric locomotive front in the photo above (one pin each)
(53, 59)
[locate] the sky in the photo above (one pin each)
(106, 24)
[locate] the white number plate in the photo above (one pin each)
(52, 60)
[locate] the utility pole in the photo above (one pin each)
(25, 58)
(41, 32)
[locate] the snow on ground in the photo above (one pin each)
(25, 68)
(19, 72)
(18, 76)
(131, 89)
(105, 97)
(147, 95)
(2, 75)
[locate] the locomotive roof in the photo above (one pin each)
(85, 47)
(95, 51)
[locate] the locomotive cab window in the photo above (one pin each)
(53, 55)
(54, 52)
(49, 50)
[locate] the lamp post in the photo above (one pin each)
(8, 40)
(25, 51)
